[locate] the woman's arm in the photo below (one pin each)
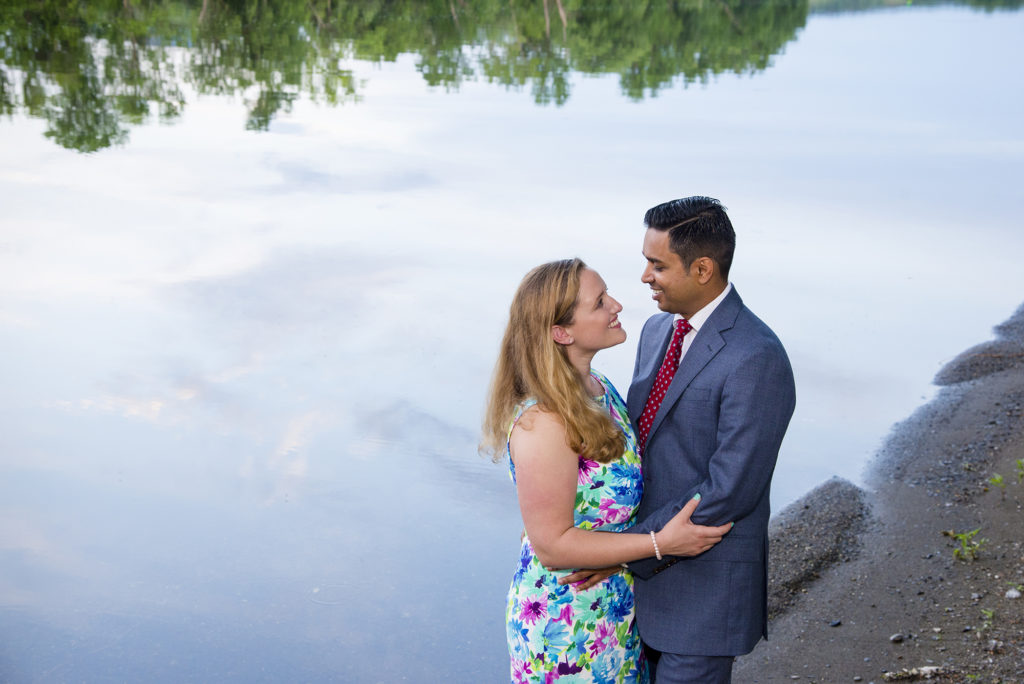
(546, 479)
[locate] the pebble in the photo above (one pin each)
(896, 638)
(836, 623)
(1012, 593)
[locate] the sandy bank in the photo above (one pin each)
(865, 586)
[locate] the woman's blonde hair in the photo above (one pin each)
(531, 364)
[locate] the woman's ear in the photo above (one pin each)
(560, 335)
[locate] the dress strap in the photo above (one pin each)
(610, 388)
(520, 410)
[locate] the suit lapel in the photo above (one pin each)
(657, 341)
(705, 346)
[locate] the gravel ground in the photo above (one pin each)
(865, 585)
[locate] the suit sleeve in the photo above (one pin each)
(757, 403)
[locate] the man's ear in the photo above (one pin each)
(561, 335)
(704, 269)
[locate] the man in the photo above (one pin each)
(710, 411)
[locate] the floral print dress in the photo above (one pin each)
(558, 632)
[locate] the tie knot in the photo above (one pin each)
(675, 347)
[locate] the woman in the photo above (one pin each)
(573, 458)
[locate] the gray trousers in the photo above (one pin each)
(672, 668)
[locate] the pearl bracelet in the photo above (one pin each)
(657, 551)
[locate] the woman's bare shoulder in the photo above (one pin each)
(539, 427)
(534, 415)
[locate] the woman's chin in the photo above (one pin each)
(617, 339)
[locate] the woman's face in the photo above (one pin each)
(595, 323)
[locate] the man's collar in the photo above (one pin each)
(698, 319)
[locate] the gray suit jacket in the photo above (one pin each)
(718, 432)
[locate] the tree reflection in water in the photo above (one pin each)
(92, 69)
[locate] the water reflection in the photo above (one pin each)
(244, 369)
(841, 6)
(91, 70)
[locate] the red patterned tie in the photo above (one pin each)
(663, 380)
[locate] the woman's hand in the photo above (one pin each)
(680, 537)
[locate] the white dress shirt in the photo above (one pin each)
(698, 319)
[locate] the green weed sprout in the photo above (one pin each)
(998, 481)
(969, 546)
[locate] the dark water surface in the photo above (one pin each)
(255, 259)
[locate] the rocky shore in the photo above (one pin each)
(919, 576)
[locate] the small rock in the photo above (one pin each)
(896, 638)
(1013, 593)
(835, 623)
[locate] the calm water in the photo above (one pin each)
(254, 265)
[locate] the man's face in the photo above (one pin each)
(672, 285)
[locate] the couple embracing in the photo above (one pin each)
(662, 499)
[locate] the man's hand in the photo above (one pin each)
(589, 578)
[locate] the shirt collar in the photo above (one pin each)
(698, 319)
